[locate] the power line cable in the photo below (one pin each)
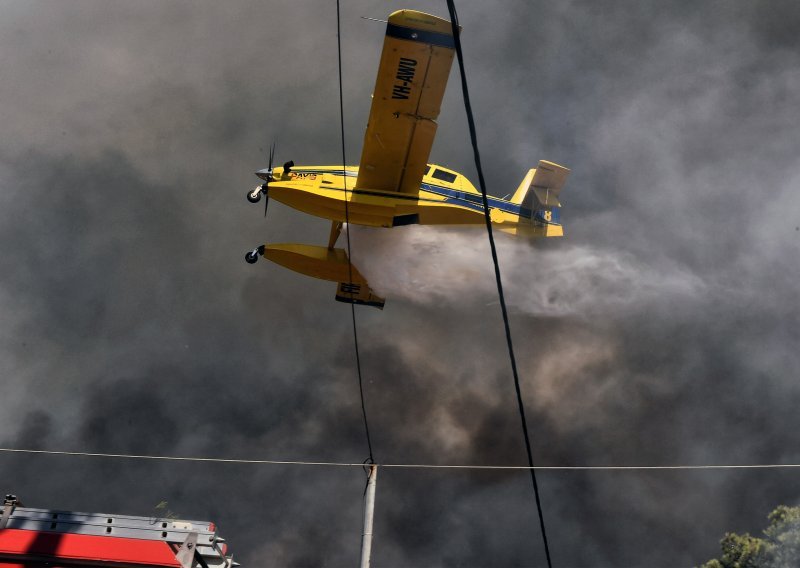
(678, 467)
(347, 234)
(473, 137)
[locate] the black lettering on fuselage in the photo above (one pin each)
(406, 69)
(400, 92)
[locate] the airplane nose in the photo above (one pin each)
(263, 174)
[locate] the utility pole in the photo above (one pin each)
(369, 509)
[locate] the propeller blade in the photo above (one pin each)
(266, 186)
(271, 154)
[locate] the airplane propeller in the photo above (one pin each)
(254, 196)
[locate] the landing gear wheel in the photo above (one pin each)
(254, 197)
(251, 257)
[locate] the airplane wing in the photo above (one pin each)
(415, 65)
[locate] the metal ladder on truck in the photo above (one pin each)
(65, 539)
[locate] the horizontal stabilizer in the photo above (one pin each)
(326, 264)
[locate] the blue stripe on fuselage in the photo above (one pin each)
(475, 201)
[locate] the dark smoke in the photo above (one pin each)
(661, 330)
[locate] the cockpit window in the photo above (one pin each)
(427, 170)
(444, 176)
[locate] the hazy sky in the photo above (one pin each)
(663, 329)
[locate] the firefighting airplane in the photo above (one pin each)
(394, 184)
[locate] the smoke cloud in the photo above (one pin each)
(661, 330)
(428, 265)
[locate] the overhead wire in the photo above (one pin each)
(487, 217)
(371, 459)
(690, 467)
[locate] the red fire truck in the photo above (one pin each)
(38, 538)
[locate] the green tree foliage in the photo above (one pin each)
(163, 512)
(779, 548)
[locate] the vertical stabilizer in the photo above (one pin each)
(540, 186)
(537, 196)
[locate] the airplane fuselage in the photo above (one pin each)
(445, 198)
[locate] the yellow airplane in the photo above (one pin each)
(394, 185)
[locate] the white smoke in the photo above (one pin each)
(433, 265)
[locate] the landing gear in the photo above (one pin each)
(255, 195)
(336, 230)
(252, 256)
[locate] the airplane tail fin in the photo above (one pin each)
(537, 196)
